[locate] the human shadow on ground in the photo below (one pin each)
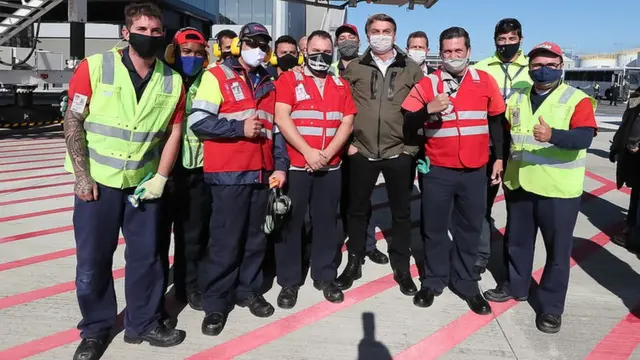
(369, 348)
(610, 272)
(599, 153)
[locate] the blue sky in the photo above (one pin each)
(586, 26)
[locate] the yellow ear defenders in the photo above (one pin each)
(274, 59)
(236, 46)
(170, 51)
(216, 50)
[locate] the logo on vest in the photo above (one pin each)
(236, 89)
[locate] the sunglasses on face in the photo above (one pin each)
(257, 44)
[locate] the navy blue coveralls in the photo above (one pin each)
(97, 227)
(232, 270)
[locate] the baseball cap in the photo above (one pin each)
(254, 29)
(347, 28)
(546, 46)
(190, 35)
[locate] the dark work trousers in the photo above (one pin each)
(457, 196)
(187, 207)
(633, 206)
(97, 227)
(320, 193)
(370, 242)
(556, 219)
(232, 269)
(397, 173)
(484, 250)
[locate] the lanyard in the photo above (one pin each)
(505, 69)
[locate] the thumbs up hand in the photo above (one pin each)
(542, 131)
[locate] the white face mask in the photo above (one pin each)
(381, 44)
(417, 55)
(455, 66)
(253, 57)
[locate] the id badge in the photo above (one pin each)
(515, 117)
(301, 93)
(236, 89)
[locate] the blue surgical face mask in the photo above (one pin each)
(545, 75)
(191, 65)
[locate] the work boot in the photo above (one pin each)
(160, 336)
(288, 297)
(351, 273)
(91, 348)
(549, 323)
(378, 257)
(258, 306)
(213, 324)
(330, 290)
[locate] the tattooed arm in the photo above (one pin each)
(74, 135)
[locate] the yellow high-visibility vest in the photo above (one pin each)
(192, 147)
(125, 137)
(510, 78)
(543, 168)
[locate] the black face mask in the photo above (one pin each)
(146, 46)
(225, 55)
(287, 61)
(319, 62)
(507, 52)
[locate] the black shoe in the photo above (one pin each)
(330, 290)
(549, 324)
(621, 240)
(194, 299)
(424, 298)
(378, 257)
(258, 306)
(407, 287)
(479, 269)
(160, 336)
(213, 324)
(351, 273)
(90, 348)
(500, 294)
(169, 322)
(288, 297)
(478, 305)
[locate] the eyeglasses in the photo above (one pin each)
(257, 44)
(549, 65)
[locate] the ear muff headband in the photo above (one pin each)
(274, 59)
(170, 51)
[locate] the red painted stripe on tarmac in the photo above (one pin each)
(33, 234)
(606, 181)
(26, 155)
(452, 334)
(32, 161)
(39, 198)
(30, 169)
(32, 149)
(42, 258)
(57, 142)
(33, 177)
(621, 341)
(35, 214)
(36, 187)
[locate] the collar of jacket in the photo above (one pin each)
(234, 63)
(400, 60)
(634, 99)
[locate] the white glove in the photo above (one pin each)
(152, 188)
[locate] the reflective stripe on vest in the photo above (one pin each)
(543, 168)
(124, 136)
(192, 147)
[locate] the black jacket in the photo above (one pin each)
(627, 136)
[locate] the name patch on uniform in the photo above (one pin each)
(301, 93)
(79, 103)
(236, 89)
(515, 116)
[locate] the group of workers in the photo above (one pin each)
(266, 144)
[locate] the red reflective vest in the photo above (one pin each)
(239, 103)
(461, 139)
(316, 118)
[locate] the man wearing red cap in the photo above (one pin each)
(187, 199)
(552, 124)
(244, 152)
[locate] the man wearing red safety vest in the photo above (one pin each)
(233, 113)
(459, 107)
(314, 111)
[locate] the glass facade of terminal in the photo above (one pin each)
(243, 11)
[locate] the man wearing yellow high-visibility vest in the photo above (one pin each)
(122, 124)
(187, 198)
(552, 124)
(508, 66)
